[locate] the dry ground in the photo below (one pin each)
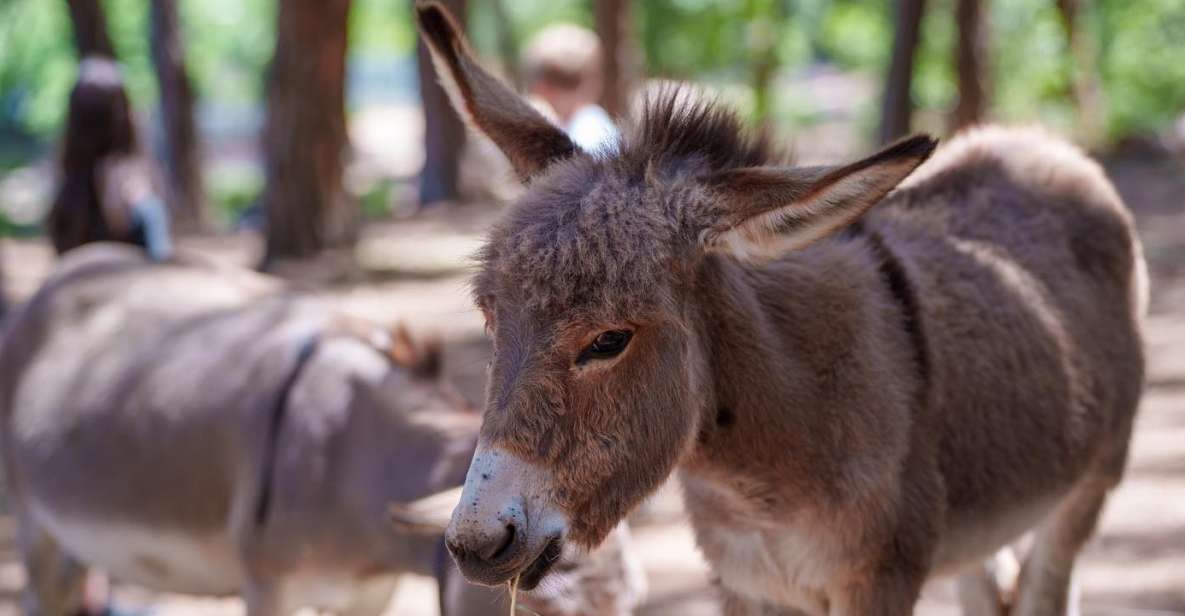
(414, 272)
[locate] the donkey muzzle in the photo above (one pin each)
(501, 528)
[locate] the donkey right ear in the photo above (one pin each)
(530, 141)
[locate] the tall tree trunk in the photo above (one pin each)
(971, 56)
(182, 157)
(3, 288)
(90, 29)
(444, 134)
(897, 107)
(1085, 90)
(619, 54)
(763, 35)
(304, 138)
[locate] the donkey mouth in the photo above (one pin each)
(539, 568)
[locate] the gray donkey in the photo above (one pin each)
(198, 430)
(856, 398)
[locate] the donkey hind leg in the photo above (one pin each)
(57, 582)
(988, 589)
(1046, 578)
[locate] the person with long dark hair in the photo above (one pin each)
(106, 191)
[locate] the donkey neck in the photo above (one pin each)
(811, 362)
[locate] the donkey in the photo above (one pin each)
(199, 430)
(856, 398)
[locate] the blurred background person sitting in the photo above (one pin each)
(105, 191)
(562, 65)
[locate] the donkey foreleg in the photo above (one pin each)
(988, 589)
(57, 582)
(1046, 578)
(887, 593)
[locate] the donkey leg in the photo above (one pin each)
(987, 589)
(57, 582)
(1047, 575)
(888, 594)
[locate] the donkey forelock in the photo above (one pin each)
(610, 227)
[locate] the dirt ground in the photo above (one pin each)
(414, 271)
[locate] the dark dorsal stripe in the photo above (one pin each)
(275, 422)
(897, 281)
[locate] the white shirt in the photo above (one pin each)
(592, 129)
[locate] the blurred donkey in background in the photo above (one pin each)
(196, 429)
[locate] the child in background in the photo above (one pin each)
(562, 65)
(106, 191)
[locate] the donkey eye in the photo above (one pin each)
(607, 344)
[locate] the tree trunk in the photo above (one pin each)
(444, 134)
(766, 20)
(182, 157)
(971, 57)
(1085, 90)
(90, 29)
(897, 109)
(619, 54)
(304, 138)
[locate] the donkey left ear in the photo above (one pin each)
(530, 141)
(768, 211)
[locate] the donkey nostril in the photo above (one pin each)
(502, 548)
(455, 548)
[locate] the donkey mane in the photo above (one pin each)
(591, 224)
(679, 123)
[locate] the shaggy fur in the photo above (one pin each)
(849, 413)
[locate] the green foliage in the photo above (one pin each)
(128, 25)
(232, 189)
(527, 18)
(375, 198)
(683, 38)
(1142, 62)
(37, 66)
(228, 44)
(1032, 63)
(856, 35)
(1139, 50)
(381, 26)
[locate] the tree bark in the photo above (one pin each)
(182, 156)
(90, 29)
(897, 107)
(444, 134)
(971, 56)
(1085, 88)
(619, 54)
(304, 137)
(763, 34)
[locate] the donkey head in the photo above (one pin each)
(590, 290)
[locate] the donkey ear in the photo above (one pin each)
(530, 141)
(768, 211)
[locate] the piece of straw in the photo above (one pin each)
(514, 594)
